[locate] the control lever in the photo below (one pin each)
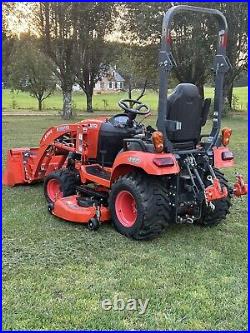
(103, 152)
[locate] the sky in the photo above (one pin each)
(24, 22)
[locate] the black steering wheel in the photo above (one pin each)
(125, 105)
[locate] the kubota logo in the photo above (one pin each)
(62, 128)
(47, 134)
(135, 160)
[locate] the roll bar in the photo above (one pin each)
(221, 66)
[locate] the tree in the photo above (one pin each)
(194, 38)
(8, 45)
(194, 45)
(92, 22)
(31, 71)
(58, 42)
(8, 39)
(191, 41)
(73, 37)
(134, 66)
(7, 10)
(237, 18)
(141, 25)
(90, 67)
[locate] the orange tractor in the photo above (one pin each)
(141, 178)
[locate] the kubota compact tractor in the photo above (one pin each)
(142, 179)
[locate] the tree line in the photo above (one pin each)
(74, 44)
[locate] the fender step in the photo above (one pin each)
(97, 171)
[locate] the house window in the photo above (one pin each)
(115, 85)
(121, 85)
(110, 85)
(102, 85)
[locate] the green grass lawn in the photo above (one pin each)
(56, 273)
(20, 100)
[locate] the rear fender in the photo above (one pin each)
(135, 160)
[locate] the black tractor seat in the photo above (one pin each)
(186, 107)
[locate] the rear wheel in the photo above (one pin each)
(214, 217)
(59, 184)
(139, 205)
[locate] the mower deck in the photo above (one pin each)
(68, 209)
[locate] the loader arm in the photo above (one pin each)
(48, 140)
(27, 165)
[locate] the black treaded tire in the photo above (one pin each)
(152, 204)
(222, 207)
(67, 180)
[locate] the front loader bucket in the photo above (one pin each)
(14, 169)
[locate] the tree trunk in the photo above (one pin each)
(201, 90)
(230, 95)
(228, 91)
(129, 89)
(67, 106)
(89, 95)
(40, 104)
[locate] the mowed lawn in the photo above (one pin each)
(18, 101)
(55, 273)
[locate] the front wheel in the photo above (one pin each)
(59, 184)
(139, 206)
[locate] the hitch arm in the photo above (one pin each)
(240, 187)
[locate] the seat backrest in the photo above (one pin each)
(185, 105)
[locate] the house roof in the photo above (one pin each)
(112, 75)
(118, 77)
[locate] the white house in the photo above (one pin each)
(111, 81)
